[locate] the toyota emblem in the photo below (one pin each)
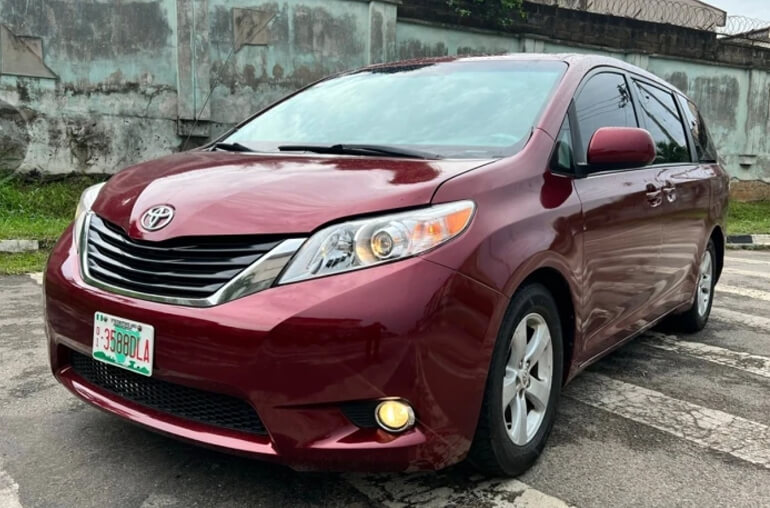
(157, 217)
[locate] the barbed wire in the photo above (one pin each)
(687, 13)
(742, 25)
(674, 12)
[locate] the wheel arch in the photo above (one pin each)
(718, 237)
(556, 283)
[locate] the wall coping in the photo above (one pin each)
(644, 37)
(567, 42)
(393, 2)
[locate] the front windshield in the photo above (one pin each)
(463, 109)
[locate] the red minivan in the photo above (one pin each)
(395, 268)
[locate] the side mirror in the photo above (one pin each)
(620, 148)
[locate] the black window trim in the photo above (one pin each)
(552, 166)
(680, 102)
(580, 170)
(683, 102)
(581, 164)
(643, 122)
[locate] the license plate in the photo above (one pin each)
(123, 343)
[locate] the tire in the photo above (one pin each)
(696, 317)
(501, 448)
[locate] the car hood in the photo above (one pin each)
(223, 193)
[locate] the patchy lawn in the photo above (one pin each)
(749, 218)
(22, 262)
(37, 208)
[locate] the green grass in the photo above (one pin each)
(749, 218)
(37, 208)
(23, 262)
(41, 228)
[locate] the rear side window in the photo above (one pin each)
(604, 102)
(661, 117)
(704, 145)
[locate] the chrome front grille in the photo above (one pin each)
(188, 268)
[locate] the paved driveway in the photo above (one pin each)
(664, 421)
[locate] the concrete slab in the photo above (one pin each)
(19, 246)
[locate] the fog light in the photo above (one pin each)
(394, 415)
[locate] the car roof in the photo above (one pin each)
(579, 62)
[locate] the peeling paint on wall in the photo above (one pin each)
(678, 79)
(91, 30)
(320, 32)
(418, 40)
(718, 98)
(308, 40)
(252, 26)
(14, 137)
(734, 103)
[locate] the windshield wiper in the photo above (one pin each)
(350, 149)
(233, 147)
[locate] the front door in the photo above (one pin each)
(621, 245)
(621, 223)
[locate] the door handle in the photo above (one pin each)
(670, 191)
(654, 196)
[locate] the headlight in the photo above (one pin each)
(87, 199)
(368, 242)
(84, 205)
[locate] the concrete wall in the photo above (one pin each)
(94, 85)
(127, 78)
(112, 100)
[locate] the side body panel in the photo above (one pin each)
(622, 235)
(686, 228)
(622, 229)
(527, 219)
(605, 240)
(684, 184)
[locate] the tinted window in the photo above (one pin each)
(661, 118)
(456, 109)
(603, 102)
(704, 146)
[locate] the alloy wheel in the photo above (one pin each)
(528, 378)
(705, 283)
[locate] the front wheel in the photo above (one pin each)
(523, 386)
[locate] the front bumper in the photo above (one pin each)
(297, 353)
